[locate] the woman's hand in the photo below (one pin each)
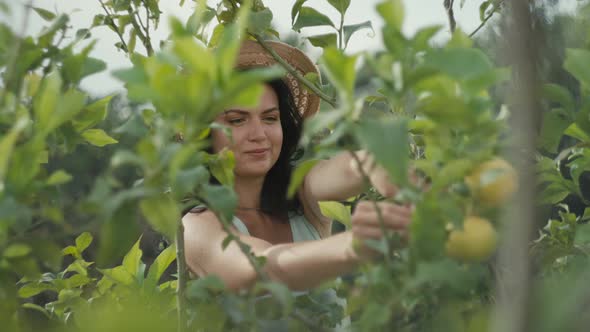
(378, 176)
(366, 225)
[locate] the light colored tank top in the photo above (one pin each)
(302, 230)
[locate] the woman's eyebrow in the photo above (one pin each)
(236, 111)
(272, 109)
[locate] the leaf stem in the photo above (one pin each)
(486, 19)
(367, 180)
(147, 43)
(294, 72)
(449, 8)
(111, 22)
(243, 247)
(182, 278)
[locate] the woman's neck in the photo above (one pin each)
(248, 190)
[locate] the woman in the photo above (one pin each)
(292, 235)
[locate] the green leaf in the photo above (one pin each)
(7, 143)
(554, 193)
(387, 140)
(164, 259)
(44, 13)
(38, 308)
(576, 62)
(576, 132)
(280, 292)
(46, 36)
(71, 250)
(336, 211)
(98, 137)
(92, 114)
(58, 177)
(392, 12)
(82, 34)
(222, 166)
(199, 289)
(260, 21)
(309, 17)
(349, 30)
(340, 5)
(421, 40)
(298, 176)
(80, 266)
(46, 103)
(34, 288)
(92, 66)
(295, 10)
(162, 213)
(119, 275)
(340, 69)
(559, 94)
(83, 241)
(16, 250)
(220, 199)
(132, 259)
(460, 63)
(582, 234)
(482, 10)
(325, 40)
(553, 126)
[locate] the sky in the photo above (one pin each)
(419, 13)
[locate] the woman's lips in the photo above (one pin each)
(257, 152)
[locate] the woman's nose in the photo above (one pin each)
(256, 130)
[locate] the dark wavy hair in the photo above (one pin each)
(273, 197)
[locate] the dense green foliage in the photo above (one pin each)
(72, 165)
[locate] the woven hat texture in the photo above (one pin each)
(252, 54)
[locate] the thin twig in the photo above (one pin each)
(136, 14)
(243, 247)
(140, 33)
(111, 22)
(294, 72)
(147, 19)
(182, 278)
(487, 18)
(449, 8)
(367, 181)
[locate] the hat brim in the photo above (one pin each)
(252, 55)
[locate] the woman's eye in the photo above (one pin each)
(271, 119)
(235, 121)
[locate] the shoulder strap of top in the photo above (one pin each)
(240, 226)
(302, 229)
(312, 212)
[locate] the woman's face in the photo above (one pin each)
(257, 135)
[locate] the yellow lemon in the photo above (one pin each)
(493, 182)
(475, 243)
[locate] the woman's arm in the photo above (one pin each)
(339, 177)
(300, 265)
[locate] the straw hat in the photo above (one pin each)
(253, 55)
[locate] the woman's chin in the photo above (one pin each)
(252, 172)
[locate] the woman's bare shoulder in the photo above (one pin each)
(201, 221)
